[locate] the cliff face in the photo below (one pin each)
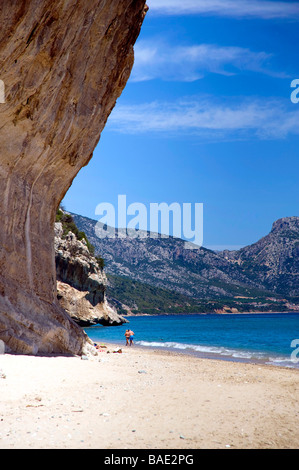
(274, 259)
(81, 284)
(63, 65)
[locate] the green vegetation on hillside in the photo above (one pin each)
(142, 298)
(266, 269)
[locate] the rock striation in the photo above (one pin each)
(63, 65)
(81, 284)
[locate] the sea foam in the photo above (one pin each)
(215, 351)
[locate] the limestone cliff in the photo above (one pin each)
(63, 65)
(274, 259)
(81, 284)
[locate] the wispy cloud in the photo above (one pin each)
(264, 119)
(157, 59)
(229, 8)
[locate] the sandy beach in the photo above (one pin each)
(145, 399)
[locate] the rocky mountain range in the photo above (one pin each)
(273, 261)
(262, 276)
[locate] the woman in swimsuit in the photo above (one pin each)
(127, 336)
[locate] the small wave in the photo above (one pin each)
(219, 351)
(283, 362)
(199, 348)
(173, 345)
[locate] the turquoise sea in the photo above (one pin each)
(260, 338)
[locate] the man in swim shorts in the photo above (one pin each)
(131, 337)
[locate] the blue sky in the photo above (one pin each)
(206, 117)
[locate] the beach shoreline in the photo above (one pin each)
(272, 312)
(205, 355)
(247, 338)
(145, 399)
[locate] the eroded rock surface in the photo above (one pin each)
(81, 284)
(63, 65)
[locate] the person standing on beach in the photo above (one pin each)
(131, 337)
(127, 336)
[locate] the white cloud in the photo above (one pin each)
(203, 116)
(229, 8)
(157, 59)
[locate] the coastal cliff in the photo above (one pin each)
(81, 283)
(63, 65)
